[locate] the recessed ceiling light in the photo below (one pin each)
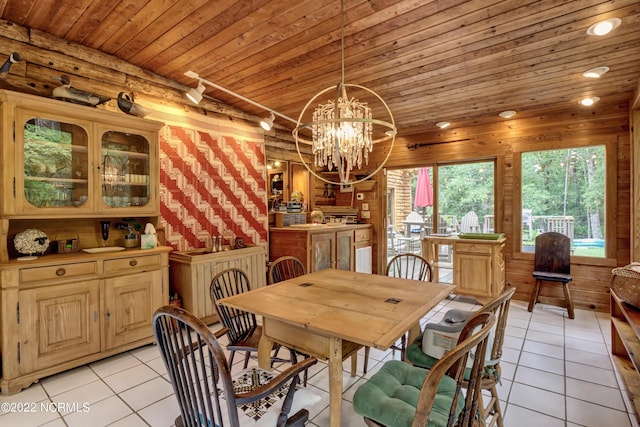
(604, 27)
(595, 73)
(442, 125)
(507, 114)
(589, 101)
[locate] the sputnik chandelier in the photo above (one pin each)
(343, 131)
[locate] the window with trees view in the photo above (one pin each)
(466, 197)
(563, 190)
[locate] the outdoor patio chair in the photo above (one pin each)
(414, 223)
(403, 395)
(469, 223)
(208, 395)
(552, 264)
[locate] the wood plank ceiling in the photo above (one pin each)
(461, 61)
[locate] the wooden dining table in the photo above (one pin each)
(331, 314)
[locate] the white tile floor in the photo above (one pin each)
(556, 372)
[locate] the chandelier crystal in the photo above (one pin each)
(342, 135)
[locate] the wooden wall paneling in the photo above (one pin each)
(608, 124)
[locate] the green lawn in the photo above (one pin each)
(587, 251)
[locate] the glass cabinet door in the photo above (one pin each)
(125, 170)
(56, 164)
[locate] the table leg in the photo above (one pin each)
(414, 331)
(335, 381)
(264, 352)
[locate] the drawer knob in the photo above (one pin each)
(61, 272)
(133, 263)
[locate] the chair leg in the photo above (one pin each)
(232, 353)
(534, 296)
(354, 364)
(366, 360)
(569, 301)
(492, 413)
(294, 360)
(247, 355)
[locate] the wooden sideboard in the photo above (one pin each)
(321, 246)
(477, 264)
(62, 311)
(191, 273)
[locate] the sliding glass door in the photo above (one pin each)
(446, 199)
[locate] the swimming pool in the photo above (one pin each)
(588, 243)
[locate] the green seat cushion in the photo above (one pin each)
(421, 359)
(418, 357)
(391, 395)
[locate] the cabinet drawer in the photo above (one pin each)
(473, 247)
(123, 264)
(37, 274)
(363, 235)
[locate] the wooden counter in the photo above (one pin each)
(190, 275)
(321, 246)
(477, 264)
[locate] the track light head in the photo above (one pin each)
(195, 94)
(267, 123)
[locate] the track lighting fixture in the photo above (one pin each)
(267, 123)
(195, 94)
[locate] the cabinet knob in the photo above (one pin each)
(61, 272)
(133, 263)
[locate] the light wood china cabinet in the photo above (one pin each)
(65, 169)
